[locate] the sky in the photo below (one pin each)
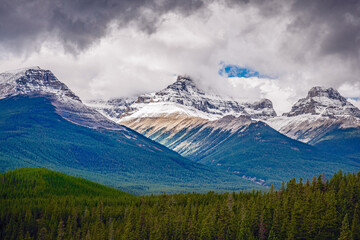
(247, 49)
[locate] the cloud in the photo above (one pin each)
(121, 48)
(24, 24)
(338, 20)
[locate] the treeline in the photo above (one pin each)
(317, 209)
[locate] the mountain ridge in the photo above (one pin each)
(323, 110)
(39, 82)
(325, 102)
(50, 129)
(216, 141)
(233, 137)
(184, 92)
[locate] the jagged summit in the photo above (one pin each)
(184, 83)
(325, 92)
(325, 102)
(183, 96)
(322, 111)
(33, 80)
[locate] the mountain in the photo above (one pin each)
(324, 119)
(184, 97)
(248, 148)
(240, 143)
(43, 124)
(36, 81)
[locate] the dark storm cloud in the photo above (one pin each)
(340, 20)
(334, 25)
(78, 23)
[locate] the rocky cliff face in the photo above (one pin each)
(324, 102)
(33, 80)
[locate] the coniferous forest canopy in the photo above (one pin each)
(42, 204)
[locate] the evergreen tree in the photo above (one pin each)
(355, 225)
(309, 211)
(111, 229)
(207, 229)
(43, 234)
(61, 230)
(262, 227)
(345, 233)
(27, 236)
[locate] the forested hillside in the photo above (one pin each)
(41, 204)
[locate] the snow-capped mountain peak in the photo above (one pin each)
(37, 82)
(323, 110)
(185, 97)
(325, 102)
(33, 80)
(184, 84)
(325, 92)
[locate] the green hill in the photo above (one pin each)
(43, 183)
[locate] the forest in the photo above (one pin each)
(41, 204)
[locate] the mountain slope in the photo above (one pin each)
(324, 119)
(34, 135)
(41, 128)
(233, 137)
(37, 81)
(245, 147)
(322, 111)
(343, 142)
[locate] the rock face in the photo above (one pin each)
(325, 102)
(322, 111)
(113, 108)
(185, 96)
(33, 80)
(187, 135)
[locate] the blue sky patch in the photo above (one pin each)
(230, 70)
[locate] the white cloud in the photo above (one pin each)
(128, 61)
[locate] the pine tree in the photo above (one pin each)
(345, 233)
(129, 230)
(111, 229)
(355, 225)
(329, 220)
(141, 228)
(207, 229)
(27, 236)
(88, 235)
(61, 230)
(262, 227)
(272, 235)
(43, 234)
